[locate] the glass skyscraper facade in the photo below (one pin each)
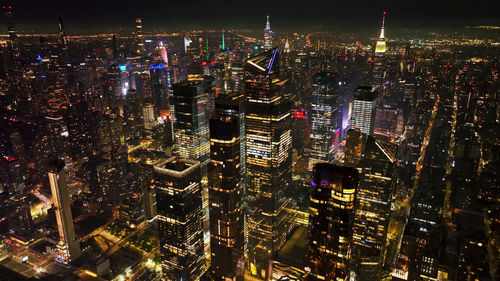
(331, 220)
(323, 120)
(373, 205)
(363, 109)
(268, 160)
(225, 199)
(180, 218)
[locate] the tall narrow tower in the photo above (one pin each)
(139, 35)
(9, 17)
(268, 160)
(62, 34)
(381, 47)
(223, 41)
(68, 246)
(268, 36)
(226, 194)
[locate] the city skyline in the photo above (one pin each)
(287, 150)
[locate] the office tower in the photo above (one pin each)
(139, 36)
(180, 218)
(378, 71)
(373, 205)
(225, 198)
(323, 120)
(268, 160)
(12, 46)
(380, 46)
(68, 245)
(331, 220)
(190, 100)
(363, 109)
(148, 115)
(11, 27)
(268, 36)
(191, 127)
(159, 85)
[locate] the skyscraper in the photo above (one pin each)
(331, 219)
(324, 126)
(268, 160)
(378, 68)
(191, 127)
(139, 36)
(225, 195)
(268, 36)
(68, 246)
(180, 218)
(9, 17)
(380, 46)
(373, 205)
(191, 132)
(159, 85)
(364, 109)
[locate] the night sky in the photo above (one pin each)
(94, 14)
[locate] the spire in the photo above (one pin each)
(383, 24)
(287, 46)
(268, 44)
(223, 43)
(62, 33)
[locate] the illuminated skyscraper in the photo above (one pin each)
(191, 127)
(159, 85)
(180, 218)
(191, 132)
(268, 36)
(139, 36)
(373, 205)
(378, 68)
(268, 160)
(68, 246)
(364, 109)
(9, 17)
(11, 27)
(324, 126)
(331, 220)
(225, 195)
(380, 46)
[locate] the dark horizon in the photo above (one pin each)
(116, 15)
